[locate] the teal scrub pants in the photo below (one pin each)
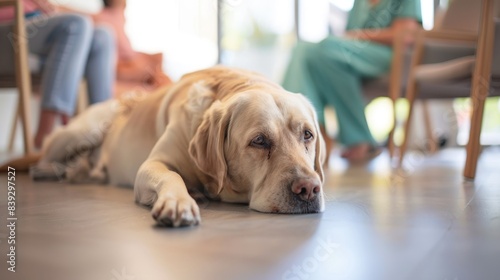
(330, 73)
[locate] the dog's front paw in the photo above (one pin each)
(176, 212)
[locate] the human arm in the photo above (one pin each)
(386, 36)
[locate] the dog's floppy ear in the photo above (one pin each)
(320, 155)
(207, 146)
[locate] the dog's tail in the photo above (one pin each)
(21, 164)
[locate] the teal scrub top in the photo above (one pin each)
(367, 16)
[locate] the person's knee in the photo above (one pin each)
(314, 56)
(332, 54)
(103, 40)
(305, 51)
(76, 24)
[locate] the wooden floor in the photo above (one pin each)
(378, 224)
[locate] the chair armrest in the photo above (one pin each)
(451, 36)
(452, 70)
(440, 46)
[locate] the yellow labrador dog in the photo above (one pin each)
(227, 133)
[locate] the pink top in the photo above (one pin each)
(7, 13)
(115, 18)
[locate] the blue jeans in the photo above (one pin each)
(71, 49)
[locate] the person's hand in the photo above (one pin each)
(404, 30)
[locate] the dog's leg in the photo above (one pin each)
(166, 192)
(84, 133)
(99, 160)
(160, 187)
(78, 170)
(58, 155)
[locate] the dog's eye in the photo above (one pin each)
(308, 135)
(260, 142)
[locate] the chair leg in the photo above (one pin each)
(82, 100)
(390, 142)
(395, 83)
(13, 128)
(23, 78)
(411, 92)
(431, 139)
(410, 95)
(480, 85)
(26, 117)
(474, 145)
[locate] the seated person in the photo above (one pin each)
(133, 68)
(330, 72)
(71, 49)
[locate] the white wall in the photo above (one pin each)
(184, 30)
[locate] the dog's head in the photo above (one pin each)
(266, 144)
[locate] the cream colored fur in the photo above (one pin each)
(199, 135)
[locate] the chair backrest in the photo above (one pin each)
(462, 15)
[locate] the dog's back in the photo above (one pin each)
(111, 140)
(131, 138)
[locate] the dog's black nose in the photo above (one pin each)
(306, 189)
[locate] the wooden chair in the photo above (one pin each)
(9, 82)
(392, 84)
(25, 79)
(22, 76)
(395, 83)
(457, 35)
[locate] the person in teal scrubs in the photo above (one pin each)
(331, 72)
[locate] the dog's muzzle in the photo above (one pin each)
(303, 195)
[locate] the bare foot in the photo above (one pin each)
(45, 126)
(64, 119)
(359, 152)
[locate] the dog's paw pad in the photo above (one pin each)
(173, 212)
